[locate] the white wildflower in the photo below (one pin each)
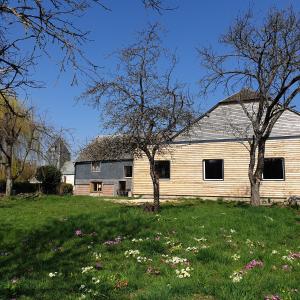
(287, 258)
(142, 259)
(250, 243)
(97, 256)
(96, 280)
(183, 273)
(137, 240)
(235, 257)
(236, 276)
(176, 260)
(86, 269)
(192, 249)
(132, 253)
(202, 239)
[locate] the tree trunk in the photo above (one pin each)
(155, 183)
(255, 170)
(8, 170)
(255, 194)
(9, 180)
(156, 194)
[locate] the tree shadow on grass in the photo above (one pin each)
(55, 247)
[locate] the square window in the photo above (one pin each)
(213, 169)
(273, 169)
(96, 187)
(162, 169)
(96, 165)
(128, 171)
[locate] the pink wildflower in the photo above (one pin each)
(78, 232)
(272, 297)
(295, 255)
(98, 266)
(253, 263)
(115, 241)
(286, 268)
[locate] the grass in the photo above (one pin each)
(38, 238)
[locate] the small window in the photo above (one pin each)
(96, 166)
(213, 169)
(128, 171)
(162, 169)
(96, 187)
(273, 169)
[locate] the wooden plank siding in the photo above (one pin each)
(108, 190)
(81, 189)
(85, 189)
(187, 170)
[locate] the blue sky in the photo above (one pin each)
(194, 24)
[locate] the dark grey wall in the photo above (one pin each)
(109, 170)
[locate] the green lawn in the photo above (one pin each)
(188, 251)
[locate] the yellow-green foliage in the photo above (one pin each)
(22, 119)
(16, 118)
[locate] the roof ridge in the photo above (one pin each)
(244, 93)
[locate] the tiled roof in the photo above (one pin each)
(105, 148)
(242, 95)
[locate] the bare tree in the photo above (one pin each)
(266, 59)
(142, 102)
(29, 28)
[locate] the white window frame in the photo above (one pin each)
(95, 171)
(204, 173)
(96, 182)
(283, 169)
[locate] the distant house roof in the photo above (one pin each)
(68, 168)
(105, 148)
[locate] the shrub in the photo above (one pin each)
(25, 187)
(50, 178)
(66, 189)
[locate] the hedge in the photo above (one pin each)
(20, 187)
